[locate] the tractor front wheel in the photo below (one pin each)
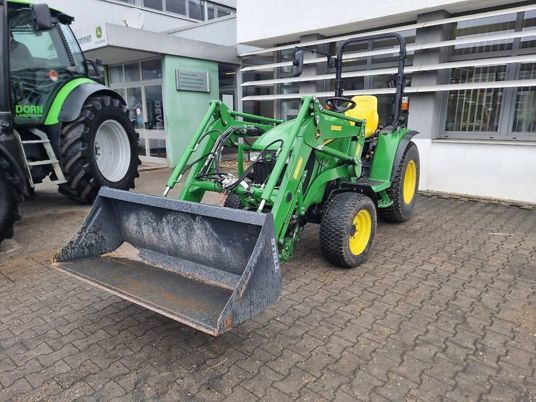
(9, 201)
(233, 201)
(100, 148)
(347, 229)
(403, 190)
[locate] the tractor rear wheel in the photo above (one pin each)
(100, 148)
(9, 201)
(403, 190)
(347, 229)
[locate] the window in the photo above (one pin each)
(140, 84)
(176, 6)
(154, 4)
(483, 27)
(529, 24)
(497, 113)
(223, 11)
(135, 106)
(151, 70)
(525, 103)
(211, 14)
(40, 62)
(475, 109)
(115, 74)
(132, 72)
(155, 107)
(196, 9)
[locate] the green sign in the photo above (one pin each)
(29, 111)
(98, 32)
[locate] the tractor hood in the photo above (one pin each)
(278, 132)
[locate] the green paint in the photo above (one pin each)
(384, 155)
(184, 110)
(338, 155)
(55, 109)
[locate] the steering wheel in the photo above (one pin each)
(340, 104)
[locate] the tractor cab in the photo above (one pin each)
(44, 56)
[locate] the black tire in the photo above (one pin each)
(401, 209)
(9, 200)
(233, 201)
(78, 155)
(338, 231)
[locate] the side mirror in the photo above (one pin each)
(297, 63)
(42, 19)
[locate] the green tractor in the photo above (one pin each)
(212, 267)
(57, 120)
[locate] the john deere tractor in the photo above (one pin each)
(57, 120)
(213, 267)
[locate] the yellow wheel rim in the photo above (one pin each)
(410, 182)
(363, 230)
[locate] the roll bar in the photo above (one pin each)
(400, 78)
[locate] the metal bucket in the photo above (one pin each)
(207, 267)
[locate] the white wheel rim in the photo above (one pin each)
(112, 150)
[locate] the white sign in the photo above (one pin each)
(196, 81)
(92, 37)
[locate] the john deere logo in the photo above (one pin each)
(98, 32)
(29, 111)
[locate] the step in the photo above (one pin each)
(36, 142)
(40, 163)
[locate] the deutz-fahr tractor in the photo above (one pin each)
(57, 120)
(213, 267)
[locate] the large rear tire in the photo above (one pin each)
(99, 148)
(403, 190)
(9, 201)
(347, 229)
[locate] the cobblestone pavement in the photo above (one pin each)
(444, 309)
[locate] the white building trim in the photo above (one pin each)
(400, 28)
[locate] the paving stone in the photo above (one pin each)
(440, 310)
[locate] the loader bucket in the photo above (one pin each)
(207, 267)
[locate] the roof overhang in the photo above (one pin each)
(117, 44)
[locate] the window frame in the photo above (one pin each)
(506, 115)
(146, 134)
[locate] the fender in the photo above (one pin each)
(74, 102)
(402, 145)
(388, 152)
(70, 99)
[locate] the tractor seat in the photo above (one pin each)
(366, 108)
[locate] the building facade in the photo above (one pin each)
(167, 58)
(470, 76)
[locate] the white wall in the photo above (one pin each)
(269, 22)
(91, 12)
(221, 31)
(505, 171)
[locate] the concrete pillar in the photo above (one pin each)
(425, 108)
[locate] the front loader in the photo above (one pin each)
(212, 267)
(57, 119)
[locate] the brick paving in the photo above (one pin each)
(444, 309)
